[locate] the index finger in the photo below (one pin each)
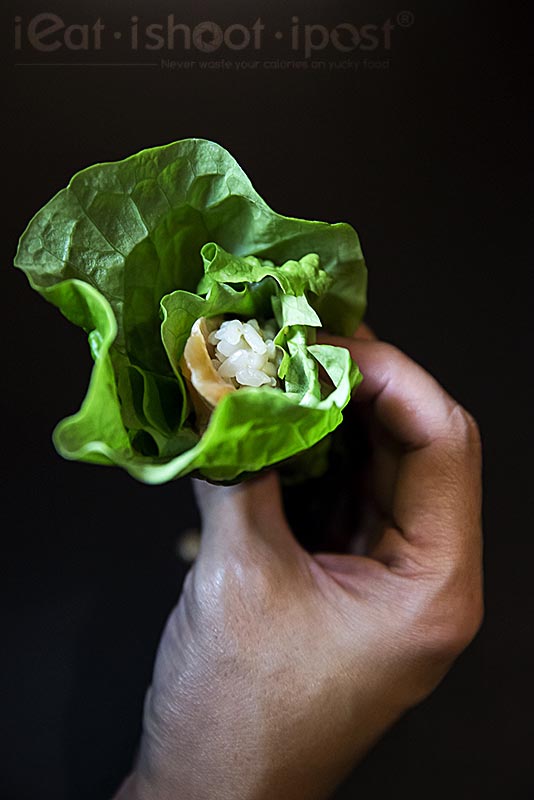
(437, 496)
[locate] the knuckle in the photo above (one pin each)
(472, 424)
(444, 613)
(453, 637)
(465, 426)
(249, 574)
(390, 353)
(447, 630)
(230, 601)
(244, 580)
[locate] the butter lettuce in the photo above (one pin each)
(134, 252)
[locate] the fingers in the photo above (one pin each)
(407, 400)
(236, 518)
(435, 492)
(364, 332)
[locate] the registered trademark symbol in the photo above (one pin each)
(406, 19)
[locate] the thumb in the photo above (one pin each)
(247, 515)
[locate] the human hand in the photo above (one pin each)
(279, 669)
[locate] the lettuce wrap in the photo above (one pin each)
(136, 252)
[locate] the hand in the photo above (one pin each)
(279, 669)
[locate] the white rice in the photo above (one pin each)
(243, 354)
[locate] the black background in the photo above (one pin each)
(428, 160)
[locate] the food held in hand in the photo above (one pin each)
(201, 306)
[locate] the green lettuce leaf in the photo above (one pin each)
(134, 252)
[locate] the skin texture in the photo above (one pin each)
(278, 669)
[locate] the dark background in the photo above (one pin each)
(428, 160)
